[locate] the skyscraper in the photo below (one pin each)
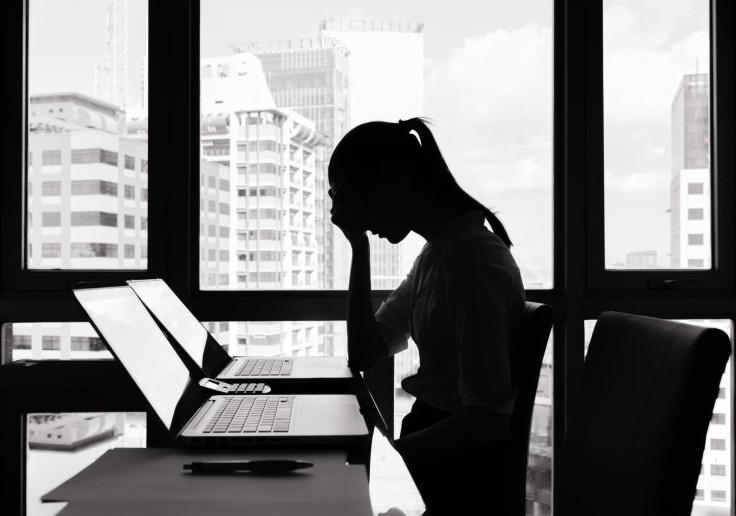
(311, 77)
(275, 159)
(691, 248)
(690, 185)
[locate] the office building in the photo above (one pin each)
(87, 186)
(276, 163)
(642, 260)
(311, 77)
(691, 227)
(88, 208)
(690, 184)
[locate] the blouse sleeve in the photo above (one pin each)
(477, 304)
(393, 315)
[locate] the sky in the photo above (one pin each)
(488, 89)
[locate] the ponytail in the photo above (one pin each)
(434, 163)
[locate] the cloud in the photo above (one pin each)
(636, 182)
(493, 97)
(495, 79)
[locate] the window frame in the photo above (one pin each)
(722, 274)
(582, 287)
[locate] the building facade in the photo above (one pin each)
(690, 183)
(87, 185)
(276, 163)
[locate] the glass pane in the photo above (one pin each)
(713, 493)
(539, 469)
(278, 93)
(657, 140)
(280, 338)
(51, 341)
(87, 169)
(61, 445)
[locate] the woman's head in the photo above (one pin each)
(380, 173)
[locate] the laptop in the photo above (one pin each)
(204, 350)
(187, 406)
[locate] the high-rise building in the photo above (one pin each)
(87, 186)
(691, 248)
(88, 207)
(311, 77)
(275, 159)
(690, 184)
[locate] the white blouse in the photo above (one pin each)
(462, 303)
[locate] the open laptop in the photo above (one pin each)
(189, 410)
(176, 319)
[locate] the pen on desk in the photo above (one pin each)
(258, 466)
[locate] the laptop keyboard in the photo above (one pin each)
(251, 414)
(265, 367)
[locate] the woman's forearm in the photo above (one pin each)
(364, 342)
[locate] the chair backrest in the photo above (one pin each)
(526, 357)
(636, 436)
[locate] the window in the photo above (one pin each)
(87, 344)
(656, 129)
(94, 250)
(718, 470)
(718, 418)
(50, 219)
(86, 121)
(695, 188)
(129, 192)
(144, 194)
(144, 223)
(94, 187)
(21, 342)
(83, 156)
(129, 251)
(94, 218)
(695, 239)
(50, 250)
(129, 222)
(717, 444)
(718, 495)
(699, 494)
(506, 162)
(51, 157)
(50, 342)
(51, 188)
(695, 214)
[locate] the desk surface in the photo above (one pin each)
(152, 481)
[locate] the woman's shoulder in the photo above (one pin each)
(478, 243)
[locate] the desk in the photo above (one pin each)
(94, 386)
(152, 482)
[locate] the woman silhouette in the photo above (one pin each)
(462, 304)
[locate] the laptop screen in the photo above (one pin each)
(173, 314)
(136, 340)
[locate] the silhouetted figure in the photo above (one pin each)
(462, 304)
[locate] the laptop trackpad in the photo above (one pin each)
(330, 419)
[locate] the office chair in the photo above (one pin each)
(637, 431)
(526, 362)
